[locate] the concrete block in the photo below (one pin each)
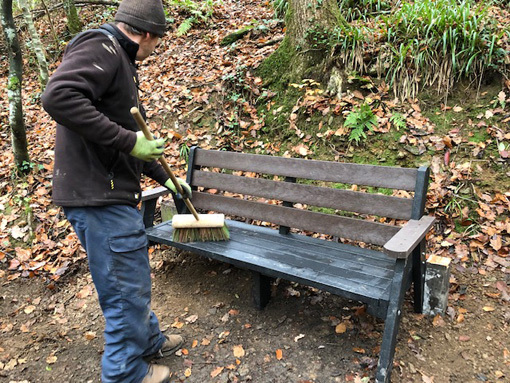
(437, 285)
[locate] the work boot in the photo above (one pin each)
(157, 374)
(171, 345)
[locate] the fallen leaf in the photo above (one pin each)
(238, 351)
(17, 232)
(89, 335)
(341, 328)
(10, 364)
(216, 372)
(187, 373)
(29, 309)
(438, 321)
(279, 354)
(51, 359)
(488, 309)
(301, 149)
(84, 292)
(191, 319)
(358, 350)
(496, 242)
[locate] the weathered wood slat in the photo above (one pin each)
(346, 200)
(310, 244)
(244, 251)
(403, 243)
(343, 227)
(368, 175)
(336, 266)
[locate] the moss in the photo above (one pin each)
(237, 35)
(479, 135)
(275, 69)
(14, 83)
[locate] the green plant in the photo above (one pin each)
(280, 8)
(184, 151)
(426, 43)
(362, 9)
(198, 11)
(398, 121)
(359, 120)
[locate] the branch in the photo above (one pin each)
(36, 13)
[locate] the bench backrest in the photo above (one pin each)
(243, 176)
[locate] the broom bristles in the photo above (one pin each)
(204, 234)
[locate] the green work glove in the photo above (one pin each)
(185, 187)
(147, 150)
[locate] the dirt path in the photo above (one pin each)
(55, 335)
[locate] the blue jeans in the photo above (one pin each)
(116, 245)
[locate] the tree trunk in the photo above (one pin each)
(36, 44)
(73, 20)
(18, 134)
(305, 50)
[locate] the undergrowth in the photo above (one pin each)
(413, 45)
(199, 11)
(427, 43)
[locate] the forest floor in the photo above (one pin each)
(56, 335)
(200, 93)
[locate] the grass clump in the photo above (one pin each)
(426, 43)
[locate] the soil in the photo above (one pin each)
(53, 332)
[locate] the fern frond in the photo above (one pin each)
(185, 26)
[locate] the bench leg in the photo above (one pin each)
(392, 322)
(148, 210)
(261, 289)
(419, 270)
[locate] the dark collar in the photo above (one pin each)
(125, 42)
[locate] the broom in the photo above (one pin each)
(188, 228)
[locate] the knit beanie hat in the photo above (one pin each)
(145, 15)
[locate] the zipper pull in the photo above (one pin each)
(110, 177)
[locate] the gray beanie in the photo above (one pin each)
(146, 15)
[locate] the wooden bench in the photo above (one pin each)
(247, 186)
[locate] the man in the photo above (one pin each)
(100, 155)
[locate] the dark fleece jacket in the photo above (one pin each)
(90, 96)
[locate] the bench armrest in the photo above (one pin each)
(404, 242)
(154, 193)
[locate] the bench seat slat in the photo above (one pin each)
(347, 200)
(368, 175)
(377, 259)
(343, 227)
(244, 250)
(333, 264)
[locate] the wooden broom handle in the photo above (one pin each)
(145, 129)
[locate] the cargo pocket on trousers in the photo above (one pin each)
(130, 264)
(128, 242)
